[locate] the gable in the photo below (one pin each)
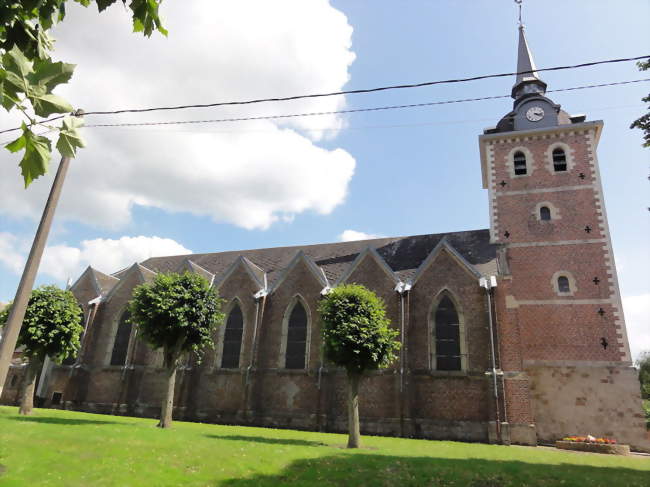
(301, 263)
(364, 264)
(445, 249)
(238, 282)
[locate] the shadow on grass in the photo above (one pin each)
(66, 421)
(384, 470)
(261, 439)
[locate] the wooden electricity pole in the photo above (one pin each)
(12, 327)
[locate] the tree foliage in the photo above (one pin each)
(643, 363)
(177, 308)
(52, 325)
(356, 331)
(358, 337)
(643, 122)
(51, 328)
(178, 313)
(28, 75)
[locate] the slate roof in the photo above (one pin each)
(402, 254)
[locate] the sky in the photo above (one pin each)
(137, 192)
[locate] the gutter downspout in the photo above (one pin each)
(402, 289)
(259, 316)
(321, 366)
(257, 312)
(503, 377)
(489, 285)
(92, 310)
(325, 290)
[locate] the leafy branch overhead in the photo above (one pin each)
(643, 122)
(28, 75)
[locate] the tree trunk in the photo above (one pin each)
(168, 400)
(27, 387)
(354, 437)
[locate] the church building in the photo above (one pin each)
(512, 334)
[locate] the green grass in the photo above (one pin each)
(77, 449)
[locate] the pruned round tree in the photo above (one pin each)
(356, 336)
(51, 328)
(178, 313)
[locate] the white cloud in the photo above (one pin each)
(11, 252)
(250, 174)
(107, 255)
(637, 319)
(350, 235)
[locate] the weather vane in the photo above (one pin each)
(519, 2)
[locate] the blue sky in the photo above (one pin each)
(398, 172)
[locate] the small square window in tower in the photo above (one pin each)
(519, 161)
(563, 285)
(559, 160)
(544, 213)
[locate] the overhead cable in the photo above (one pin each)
(353, 110)
(344, 92)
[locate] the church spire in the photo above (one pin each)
(527, 83)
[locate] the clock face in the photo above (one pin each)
(535, 114)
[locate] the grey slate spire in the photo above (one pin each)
(528, 83)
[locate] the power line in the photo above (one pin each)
(353, 110)
(345, 92)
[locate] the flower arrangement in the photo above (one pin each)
(590, 439)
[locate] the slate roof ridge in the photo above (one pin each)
(306, 247)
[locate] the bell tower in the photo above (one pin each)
(558, 301)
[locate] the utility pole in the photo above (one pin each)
(12, 329)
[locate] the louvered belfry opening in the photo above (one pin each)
(296, 337)
(447, 336)
(121, 343)
(519, 160)
(559, 160)
(232, 339)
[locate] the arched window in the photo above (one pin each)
(296, 350)
(544, 213)
(559, 160)
(519, 161)
(563, 284)
(121, 343)
(447, 333)
(232, 338)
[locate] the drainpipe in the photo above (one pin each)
(257, 296)
(489, 285)
(401, 289)
(130, 352)
(259, 317)
(92, 311)
(503, 378)
(324, 292)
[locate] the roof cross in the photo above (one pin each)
(518, 2)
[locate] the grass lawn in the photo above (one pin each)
(78, 449)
